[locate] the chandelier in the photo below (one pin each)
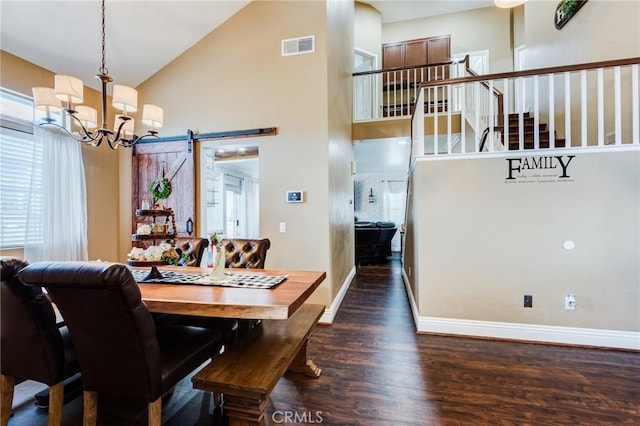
(68, 91)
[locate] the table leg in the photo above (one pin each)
(244, 411)
(302, 364)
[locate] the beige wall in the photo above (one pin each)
(340, 21)
(485, 243)
(235, 78)
(367, 30)
(601, 30)
(474, 30)
(101, 163)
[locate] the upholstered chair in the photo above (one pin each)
(120, 350)
(193, 248)
(32, 346)
(245, 253)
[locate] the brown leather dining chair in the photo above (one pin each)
(245, 253)
(32, 346)
(121, 351)
(192, 249)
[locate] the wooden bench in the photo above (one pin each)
(248, 370)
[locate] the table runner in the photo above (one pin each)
(231, 279)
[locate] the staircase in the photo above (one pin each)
(529, 133)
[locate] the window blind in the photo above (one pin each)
(20, 178)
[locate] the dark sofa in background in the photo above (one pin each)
(373, 241)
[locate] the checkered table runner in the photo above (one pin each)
(231, 280)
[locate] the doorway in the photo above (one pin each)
(380, 183)
(230, 190)
(365, 99)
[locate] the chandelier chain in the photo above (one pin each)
(103, 68)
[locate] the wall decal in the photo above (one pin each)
(565, 11)
(544, 169)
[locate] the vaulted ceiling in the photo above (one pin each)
(142, 36)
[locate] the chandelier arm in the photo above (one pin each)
(128, 143)
(113, 145)
(84, 136)
(114, 139)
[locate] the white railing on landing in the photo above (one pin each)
(391, 92)
(587, 105)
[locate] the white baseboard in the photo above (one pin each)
(531, 332)
(523, 332)
(330, 312)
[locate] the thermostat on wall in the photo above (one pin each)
(294, 197)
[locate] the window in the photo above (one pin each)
(21, 162)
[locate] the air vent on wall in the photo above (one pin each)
(298, 46)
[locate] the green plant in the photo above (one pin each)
(567, 7)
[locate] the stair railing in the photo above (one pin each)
(392, 92)
(585, 105)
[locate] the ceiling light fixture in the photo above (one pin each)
(69, 90)
(509, 3)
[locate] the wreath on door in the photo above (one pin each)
(160, 188)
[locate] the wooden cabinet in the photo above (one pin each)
(422, 51)
(415, 53)
(412, 53)
(412, 62)
(393, 55)
(439, 49)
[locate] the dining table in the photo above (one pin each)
(277, 302)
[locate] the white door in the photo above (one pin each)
(364, 93)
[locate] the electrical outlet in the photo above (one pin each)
(528, 301)
(570, 302)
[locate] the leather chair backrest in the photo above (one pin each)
(245, 253)
(112, 331)
(193, 248)
(31, 346)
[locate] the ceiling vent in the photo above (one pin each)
(298, 46)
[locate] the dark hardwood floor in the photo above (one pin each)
(377, 371)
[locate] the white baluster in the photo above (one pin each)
(583, 108)
(600, 90)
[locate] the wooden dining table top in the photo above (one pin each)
(279, 302)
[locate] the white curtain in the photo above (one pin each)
(252, 208)
(58, 209)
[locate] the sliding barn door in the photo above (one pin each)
(175, 161)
